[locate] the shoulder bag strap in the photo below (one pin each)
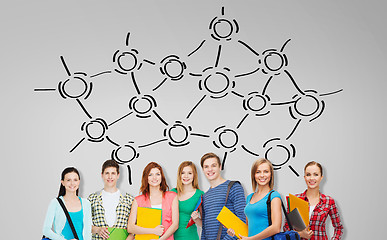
(268, 202)
(228, 191)
(68, 217)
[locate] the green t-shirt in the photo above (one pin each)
(185, 210)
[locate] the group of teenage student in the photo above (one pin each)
(113, 208)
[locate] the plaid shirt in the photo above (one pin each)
(326, 206)
(98, 212)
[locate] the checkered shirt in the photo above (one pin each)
(326, 206)
(98, 212)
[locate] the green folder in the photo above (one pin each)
(117, 233)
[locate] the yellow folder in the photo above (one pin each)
(230, 220)
(301, 205)
(148, 218)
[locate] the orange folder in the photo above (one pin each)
(301, 205)
(230, 220)
(148, 218)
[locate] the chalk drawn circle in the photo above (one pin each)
(256, 103)
(74, 87)
(125, 154)
(173, 68)
(223, 28)
(95, 130)
(142, 105)
(228, 138)
(216, 83)
(278, 155)
(307, 105)
(127, 61)
(274, 61)
(178, 133)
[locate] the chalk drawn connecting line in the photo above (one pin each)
(214, 81)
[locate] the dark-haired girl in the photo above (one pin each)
(56, 226)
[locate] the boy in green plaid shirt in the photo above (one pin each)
(110, 207)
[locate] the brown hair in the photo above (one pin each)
(144, 189)
(311, 163)
(254, 168)
(110, 163)
(195, 182)
(209, 155)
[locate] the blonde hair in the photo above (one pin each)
(254, 168)
(195, 182)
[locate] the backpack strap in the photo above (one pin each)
(68, 217)
(268, 203)
(228, 191)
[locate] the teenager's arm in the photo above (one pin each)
(175, 220)
(336, 221)
(49, 220)
(87, 223)
(101, 231)
(196, 218)
(133, 228)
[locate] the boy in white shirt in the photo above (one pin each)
(110, 207)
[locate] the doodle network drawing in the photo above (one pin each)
(214, 82)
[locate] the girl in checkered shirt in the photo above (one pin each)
(320, 206)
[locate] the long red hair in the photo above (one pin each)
(144, 189)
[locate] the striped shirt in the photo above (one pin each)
(213, 202)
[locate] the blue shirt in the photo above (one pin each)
(77, 219)
(256, 214)
(213, 202)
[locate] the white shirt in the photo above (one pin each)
(157, 206)
(311, 208)
(110, 202)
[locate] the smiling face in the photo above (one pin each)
(313, 176)
(187, 175)
(154, 177)
(71, 182)
(110, 177)
(211, 169)
(263, 174)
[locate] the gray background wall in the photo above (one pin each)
(334, 45)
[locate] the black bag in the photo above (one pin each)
(68, 219)
(288, 235)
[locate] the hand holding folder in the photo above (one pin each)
(148, 218)
(230, 220)
(191, 221)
